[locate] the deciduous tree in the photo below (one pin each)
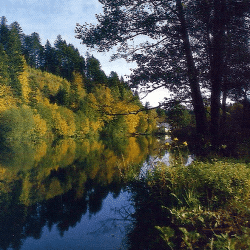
(178, 44)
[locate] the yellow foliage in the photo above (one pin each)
(40, 150)
(96, 145)
(60, 125)
(94, 171)
(134, 154)
(84, 126)
(27, 186)
(69, 116)
(23, 78)
(96, 125)
(40, 125)
(77, 86)
(104, 97)
(38, 80)
(85, 146)
(65, 150)
(54, 189)
(63, 124)
(37, 97)
(92, 101)
(132, 122)
(7, 99)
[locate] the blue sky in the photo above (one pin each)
(49, 18)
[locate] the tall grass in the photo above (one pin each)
(208, 202)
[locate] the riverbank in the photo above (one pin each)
(205, 205)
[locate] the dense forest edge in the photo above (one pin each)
(54, 92)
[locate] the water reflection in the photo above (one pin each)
(166, 159)
(53, 193)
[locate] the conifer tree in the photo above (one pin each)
(49, 58)
(68, 59)
(94, 73)
(33, 50)
(11, 42)
(4, 73)
(4, 32)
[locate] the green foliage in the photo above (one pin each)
(143, 124)
(208, 202)
(4, 74)
(178, 116)
(16, 123)
(62, 97)
(115, 132)
(94, 73)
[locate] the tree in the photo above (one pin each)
(4, 74)
(4, 31)
(49, 58)
(178, 116)
(11, 43)
(94, 73)
(33, 50)
(183, 48)
(113, 79)
(68, 59)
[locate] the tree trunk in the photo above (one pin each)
(197, 101)
(217, 68)
(224, 110)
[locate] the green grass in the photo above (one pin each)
(208, 202)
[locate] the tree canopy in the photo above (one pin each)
(181, 45)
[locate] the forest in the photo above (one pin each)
(52, 91)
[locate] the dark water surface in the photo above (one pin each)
(103, 230)
(69, 194)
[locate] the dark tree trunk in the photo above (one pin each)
(224, 109)
(217, 68)
(197, 101)
(246, 113)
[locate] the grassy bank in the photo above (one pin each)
(208, 204)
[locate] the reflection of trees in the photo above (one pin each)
(18, 222)
(67, 179)
(96, 197)
(148, 213)
(64, 211)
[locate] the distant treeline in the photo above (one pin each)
(47, 90)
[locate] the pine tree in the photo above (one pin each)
(49, 58)
(11, 42)
(94, 73)
(33, 50)
(4, 73)
(4, 32)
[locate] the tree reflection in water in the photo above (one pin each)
(56, 184)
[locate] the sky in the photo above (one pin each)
(49, 18)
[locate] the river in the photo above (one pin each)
(70, 194)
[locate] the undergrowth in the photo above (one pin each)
(208, 203)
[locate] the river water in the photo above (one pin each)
(70, 194)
